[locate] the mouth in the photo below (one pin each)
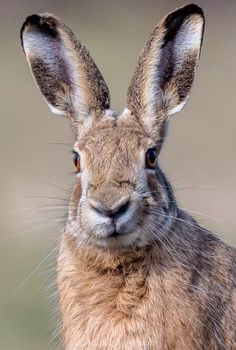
(116, 241)
(115, 233)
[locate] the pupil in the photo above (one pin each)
(75, 158)
(152, 156)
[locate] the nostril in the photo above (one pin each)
(112, 213)
(100, 210)
(122, 209)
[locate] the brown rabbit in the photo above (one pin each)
(135, 271)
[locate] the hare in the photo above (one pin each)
(134, 270)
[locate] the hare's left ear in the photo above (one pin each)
(63, 69)
(166, 67)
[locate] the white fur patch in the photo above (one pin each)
(55, 110)
(110, 113)
(126, 111)
(188, 37)
(125, 114)
(179, 107)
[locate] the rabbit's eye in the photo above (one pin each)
(151, 158)
(76, 161)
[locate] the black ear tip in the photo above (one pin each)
(33, 19)
(30, 20)
(175, 19)
(180, 14)
(40, 23)
(192, 9)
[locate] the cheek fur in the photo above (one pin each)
(74, 203)
(154, 187)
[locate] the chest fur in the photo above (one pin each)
(142, 308)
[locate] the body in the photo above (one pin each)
(134, 271)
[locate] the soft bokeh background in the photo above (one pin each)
(36, 165)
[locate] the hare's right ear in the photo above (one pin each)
(62, 68)
(161, 83)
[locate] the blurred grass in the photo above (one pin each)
(199, 156)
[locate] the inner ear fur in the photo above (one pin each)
(62, 67)
(166, 67)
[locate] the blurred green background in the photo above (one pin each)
(36, 166)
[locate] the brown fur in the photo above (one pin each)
(181, 297)
(134, 271)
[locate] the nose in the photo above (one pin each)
(116, 211)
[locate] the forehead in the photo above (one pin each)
(114, 133)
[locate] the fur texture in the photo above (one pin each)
(134, 271)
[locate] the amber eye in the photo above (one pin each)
(76, 161)
(151, 158)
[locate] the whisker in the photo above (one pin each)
(205, 215)
(57, 186)
(186, 176)
(33, 271)
(61, 134)
(18, 210)
(193, 188)
(48, 197)
(58, 144)
(33, 229)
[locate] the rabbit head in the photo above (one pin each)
(121, 197)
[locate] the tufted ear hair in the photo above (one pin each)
(63, 68)
(165, 72)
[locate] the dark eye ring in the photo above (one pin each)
(76, 161)
(151, 158)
